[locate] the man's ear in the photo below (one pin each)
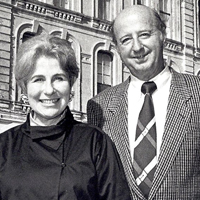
(117, 48)
(163, 37)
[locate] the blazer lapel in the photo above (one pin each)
(178, 116)
(118, 129)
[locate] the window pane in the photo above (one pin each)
(104, 9)
(101, 87)
(27, 35)
(107, 70)
(99, 78)
(104, 71)
(99, 68)
(107, 80)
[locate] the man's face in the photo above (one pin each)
(139, 43)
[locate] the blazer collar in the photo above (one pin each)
(118, 129)
(180, 85)
(176, 125)
(118, 97)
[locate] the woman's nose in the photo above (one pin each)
(48, 88)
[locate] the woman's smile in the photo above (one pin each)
(48, 89)
(49, 101)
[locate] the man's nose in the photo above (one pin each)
(137, 45)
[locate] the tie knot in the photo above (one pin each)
(148, 87)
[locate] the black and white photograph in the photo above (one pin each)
(99, 100)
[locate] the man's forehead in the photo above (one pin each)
(134, 20)
(143, 15)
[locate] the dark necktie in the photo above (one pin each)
(144, 162)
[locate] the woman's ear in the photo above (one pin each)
(72, 93)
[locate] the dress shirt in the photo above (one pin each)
(160, 99)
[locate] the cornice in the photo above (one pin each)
(48, 10)
(197, 55)
(174, 46)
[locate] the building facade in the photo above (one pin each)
(86, 24)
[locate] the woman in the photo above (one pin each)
(52, 156)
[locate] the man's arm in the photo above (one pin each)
(94, 113)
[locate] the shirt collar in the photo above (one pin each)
(159, 79)
(162, 78)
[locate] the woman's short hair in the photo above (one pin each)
(44, 45)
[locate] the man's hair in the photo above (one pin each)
(159, 24)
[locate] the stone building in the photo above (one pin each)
(86, 25)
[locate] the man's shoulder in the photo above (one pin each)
(182, 74)
(186, 78)
(113, 90)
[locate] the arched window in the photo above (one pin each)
(139, 2)
(104, 70)
(27, 35)
(165, 9)
(170, 12)
(59, 3)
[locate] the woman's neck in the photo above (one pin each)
(36, 120)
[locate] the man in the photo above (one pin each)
(174, 171)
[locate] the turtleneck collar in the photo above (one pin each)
(53, 135)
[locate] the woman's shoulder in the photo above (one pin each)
(10, 133)
(88, 128)
(6, 127)
(89, 131)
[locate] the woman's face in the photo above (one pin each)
(48, 89)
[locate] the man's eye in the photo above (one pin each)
(126, 41)
(145, 35)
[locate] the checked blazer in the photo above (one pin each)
(177, 175)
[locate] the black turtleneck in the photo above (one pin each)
(70, 160)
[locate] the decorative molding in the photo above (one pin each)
(68, 16)
(101, 25)
(50, 11)
(197, 54)
(35, 27)
(63, 14)
(34, 7)
(174, 46)
(86, 58)
(107, 45)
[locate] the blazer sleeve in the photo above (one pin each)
(94, 113)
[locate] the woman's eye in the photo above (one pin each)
(38, 80)
(59, 78)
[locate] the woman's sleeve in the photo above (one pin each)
(112, 184)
